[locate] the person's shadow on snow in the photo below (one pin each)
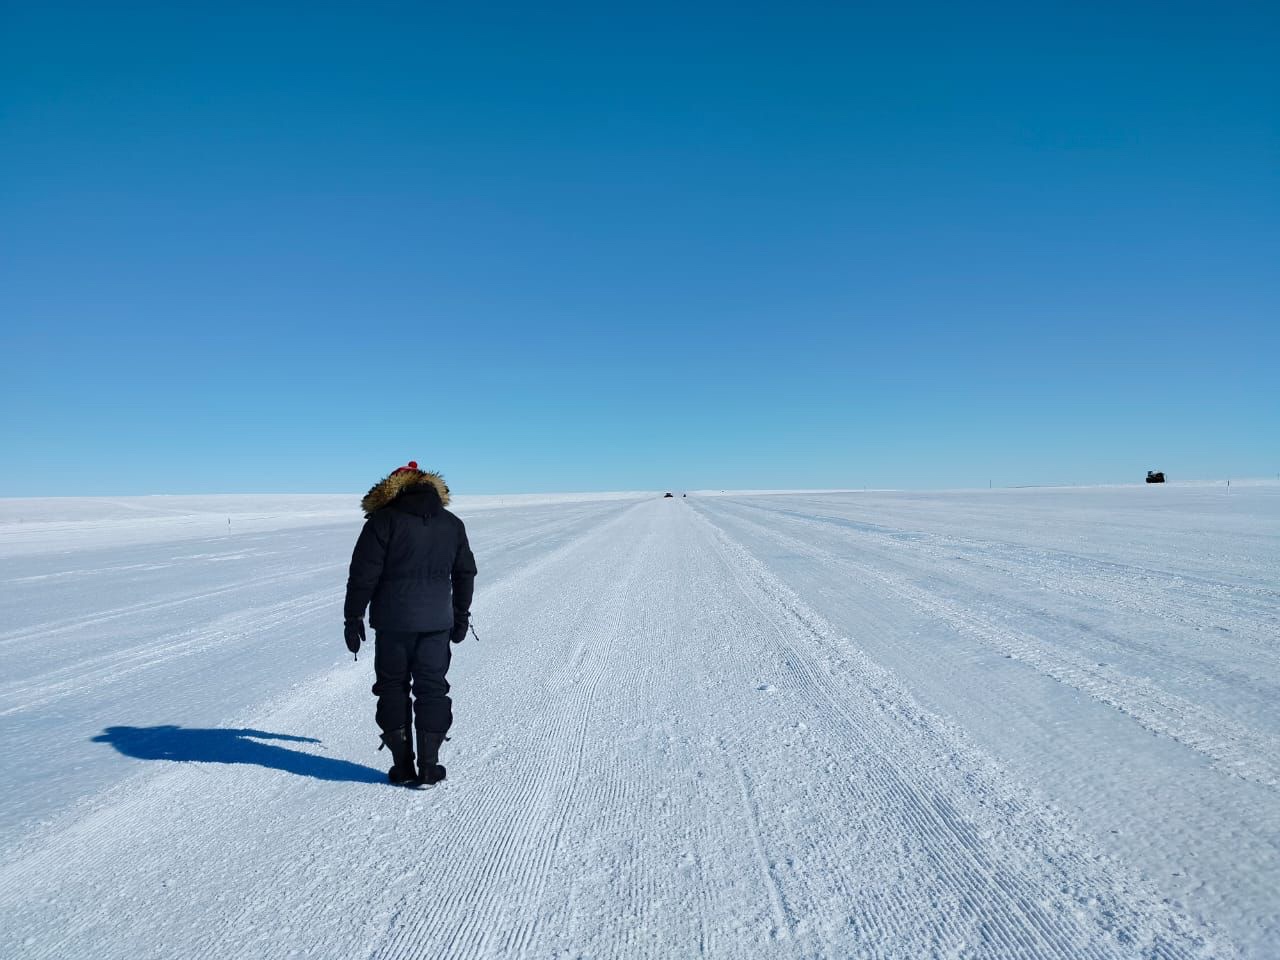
(233, 746)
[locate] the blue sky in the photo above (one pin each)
(286, 247)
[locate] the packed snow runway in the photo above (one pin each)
(1024, 723)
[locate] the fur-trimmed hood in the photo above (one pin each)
(400, 481)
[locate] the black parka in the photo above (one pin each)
(412, 563)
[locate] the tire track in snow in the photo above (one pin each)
(148, 607)
(1253, 611)
(122, 665)
(1028, 919)
(941, 847)
(1021, 555)
(777, 903)
(1245, 753)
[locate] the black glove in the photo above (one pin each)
(459, 631)
(353, 633)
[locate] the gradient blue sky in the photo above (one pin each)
(286, 247)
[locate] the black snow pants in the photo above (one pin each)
(417, 661)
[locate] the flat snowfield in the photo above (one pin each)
(1005, 724)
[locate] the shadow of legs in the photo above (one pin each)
(233, 746)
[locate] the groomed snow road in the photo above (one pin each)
(1037, 724)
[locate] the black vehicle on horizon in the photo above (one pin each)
(1155, 476)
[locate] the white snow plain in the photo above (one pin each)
(990, 724)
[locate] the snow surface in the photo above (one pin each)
(1027, 723)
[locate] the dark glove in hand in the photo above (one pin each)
(459, 631)
(353, 633)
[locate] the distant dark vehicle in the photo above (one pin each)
(1155, 476)
(684, 494)
(667, 495)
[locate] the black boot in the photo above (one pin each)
(402, 771)
(429, 769)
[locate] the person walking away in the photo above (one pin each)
(413, 567)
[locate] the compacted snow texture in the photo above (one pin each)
(1021, 723)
